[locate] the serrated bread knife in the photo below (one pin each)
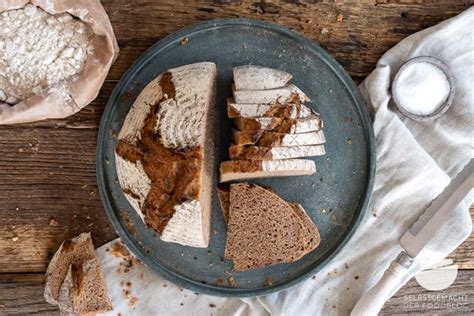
(415, 239)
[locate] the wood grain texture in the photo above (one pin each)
(47, 169)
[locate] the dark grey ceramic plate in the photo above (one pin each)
(335, 197)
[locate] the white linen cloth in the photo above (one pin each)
(415, 161)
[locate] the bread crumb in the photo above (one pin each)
(2, 305)
(340, 17)
(181, 304)
(184, 41)
(15, 238)
(212, 305)
(231, 281)
(220, 282)
(349, 141)
(269, 281)
(324, 31)
(53, 222)
(128, 284)
(356, 277)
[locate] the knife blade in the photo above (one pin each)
(423, 230)
(414, 240)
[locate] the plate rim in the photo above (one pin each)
(103, 184)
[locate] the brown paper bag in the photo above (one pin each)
(86, 85)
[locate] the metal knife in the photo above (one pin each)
(415, 239)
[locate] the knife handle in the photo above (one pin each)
(372, 302)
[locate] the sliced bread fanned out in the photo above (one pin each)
(251, 169)
(250, 152)
(280, 125)
(165, 153)
(274, 139)
(288, 110)
(262, 229)
(287, 94)
(250, 77)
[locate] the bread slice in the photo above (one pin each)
(76, 250)
(165, 154)
(280, 125)
(250, 152)
(312, 236)
(288, 110)
(84, 290)
(262, 229)
(287, 94)
(273, 139)
(251, 169)
(251, 77)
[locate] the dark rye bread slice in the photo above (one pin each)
(251, 169)
(76, 250)
(273, 139)
(250, 152)
(280, 125)
(262, 229)
(312, 237)
(84, 290)
(249, 110)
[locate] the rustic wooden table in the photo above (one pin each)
(48, 186)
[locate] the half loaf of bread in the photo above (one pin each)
(165, 154)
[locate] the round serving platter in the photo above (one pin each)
(336, 197)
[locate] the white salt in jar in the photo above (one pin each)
(423, 88)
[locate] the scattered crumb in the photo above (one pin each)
(2, 305)
(119, 314)
(269, 281)
(346, 265)
(15, 238)
(334, 306)
(196, 293)
(20, 150)
(17, 209)
(231, 281)
(356, 277)
(347, 289)
(324, 31)
(220, 282)
(181, 304)
(132, 300)
(141, 276)
(128, 284)
(165, 285)
(212, 305)
(216, 232)
(314, 277)
(181, 289)
(121, 283)
(374, 215)
(340, 17)
(118, 250)
(53, 222)
(184, 41)
(349, 141)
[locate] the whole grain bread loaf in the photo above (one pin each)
(165, 153)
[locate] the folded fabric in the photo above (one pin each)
(415, 161)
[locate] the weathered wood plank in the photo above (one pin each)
(23, 295)
(48, 193)
(366, 30)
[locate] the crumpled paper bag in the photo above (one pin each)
(86, 85)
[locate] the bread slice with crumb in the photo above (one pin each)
(249, 152)
(262, 229)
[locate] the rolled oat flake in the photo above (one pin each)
(39, 51)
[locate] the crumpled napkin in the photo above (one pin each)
(415, 161)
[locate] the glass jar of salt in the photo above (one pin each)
(422, 88)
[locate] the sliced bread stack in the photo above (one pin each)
(263, 229)
(273, 127)
(74, 279)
